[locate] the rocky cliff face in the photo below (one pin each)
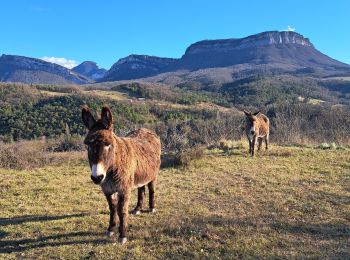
(259, 40)
(288, 48)
(90, 70)
(137, 66)
(29, 70)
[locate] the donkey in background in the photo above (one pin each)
(119, 165)
(257, 128)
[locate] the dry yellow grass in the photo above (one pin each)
(286, 203)
(52, 93)
(114, 95)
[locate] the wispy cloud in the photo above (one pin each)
(61, 61)
(290, 29)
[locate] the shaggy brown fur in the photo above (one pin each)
(257, 128)
(120, 165)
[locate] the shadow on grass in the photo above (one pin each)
(210, 228)
(13, 246)
(335, 199)
(324, 231)
(36, 218)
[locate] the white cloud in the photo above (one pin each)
(290, 29)
(61, 61)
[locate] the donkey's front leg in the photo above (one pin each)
(254, 141)
(123, 204)
(112, 203)
(250, 145)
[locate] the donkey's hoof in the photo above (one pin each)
(136, 212)
(122, 240)
(153, 210)
(109, 233)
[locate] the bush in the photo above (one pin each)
(226, 145)
(182, 158)
(326, 146)
(23, 155)
(67, 144)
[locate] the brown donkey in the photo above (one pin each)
(119, 165)
(257, 128)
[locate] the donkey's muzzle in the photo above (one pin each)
(97, 180)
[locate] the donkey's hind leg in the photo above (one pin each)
(152, 202)
(140, 198)
(267, 141)
(259, 143)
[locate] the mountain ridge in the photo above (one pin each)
(271, 51)
(90, 70)
(137, 66)
(206, 62)
(15, 68)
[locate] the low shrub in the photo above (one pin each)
(327, 146)
(67, 144)
(23, 155)
(182, 158)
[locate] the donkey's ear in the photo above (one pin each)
(106, 117)
(256, 113)
(88, 118)
(247, 113)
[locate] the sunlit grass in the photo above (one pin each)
(114, 95)
(289, 202)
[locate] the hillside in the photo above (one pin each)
(225, 205)
(32, 71)
(197, 117)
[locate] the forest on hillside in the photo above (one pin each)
(36, 111)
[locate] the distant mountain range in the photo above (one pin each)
(222, 61)
(207, 62)
(90, 70)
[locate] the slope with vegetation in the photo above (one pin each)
(298, 115)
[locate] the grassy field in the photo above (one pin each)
(287, 203)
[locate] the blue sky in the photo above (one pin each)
(104, 31)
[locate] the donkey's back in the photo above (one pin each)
(146, 152)
(264, 125)
(145, 143)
